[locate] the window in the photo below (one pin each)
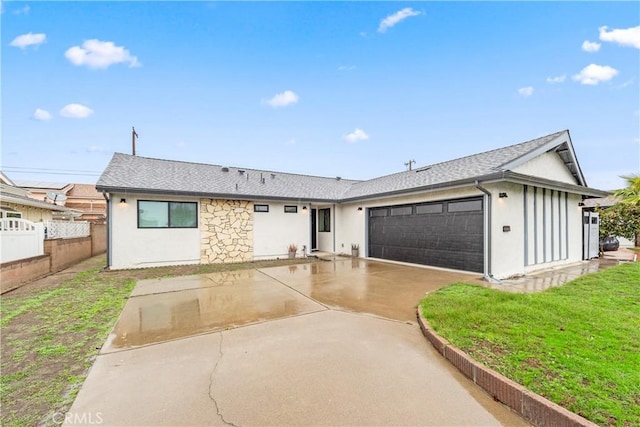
(324, 219)
(261, 208)
(167, 214)
(378, 212)
(434, 208)
(7, 212)
(465, 206)
(291, 209)
(401, 210)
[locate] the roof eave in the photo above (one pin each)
(33, 203)
(553, 185)
(204, 195)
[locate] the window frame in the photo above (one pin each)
(168, 205)
(258, 208)
(290, 209)
(324, 226)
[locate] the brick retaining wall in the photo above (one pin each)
(532, 407)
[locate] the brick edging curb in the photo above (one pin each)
(532, 407)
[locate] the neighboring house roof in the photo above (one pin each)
(17, 196)
(604, 202)
(42, 185)
(4, 179)
(126, 173)
(84, 191)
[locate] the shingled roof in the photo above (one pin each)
(140, 174)
(134, 174)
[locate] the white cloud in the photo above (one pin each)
(396, 18)
(76, 111)
(593, 74)
(526, 91)
(98, 149)
(346, 67)
(356, 135)
(624, 37)
(41, 115)
(283, 99)
(22, 11)
(557, 79)
(98, 54)
(29, 39)
(588, 46)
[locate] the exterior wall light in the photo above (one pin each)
(360, 209)
(503, 195)
(123, 201)
(580, 203)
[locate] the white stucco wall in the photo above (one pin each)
(553, 230)
(133, 247)
(275, 230)
(549, 166)
(351, 227)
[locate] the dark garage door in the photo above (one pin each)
(445, 234)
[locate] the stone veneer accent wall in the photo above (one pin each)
(226, 231)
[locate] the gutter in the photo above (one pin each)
(487, 234)
(104, 194)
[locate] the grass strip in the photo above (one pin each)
(577, 345)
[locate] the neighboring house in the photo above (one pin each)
(80, 197)
(605, 202)
(16, 202)
(503, 212)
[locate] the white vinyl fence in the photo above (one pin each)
(20, 239)
(66, 229)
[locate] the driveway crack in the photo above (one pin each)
(213, 373)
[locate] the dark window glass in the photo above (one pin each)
(291, 209)
(324, 219)
(183, 215)
(465, 206)
(401, 210)
(378, 212)
(434, 208)
(261, 208)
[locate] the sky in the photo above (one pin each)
(351, 89)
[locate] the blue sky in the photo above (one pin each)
(350, 89)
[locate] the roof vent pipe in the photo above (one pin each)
(225, 169)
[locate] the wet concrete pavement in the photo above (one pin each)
(331, 343)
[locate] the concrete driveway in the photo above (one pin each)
(329, 343)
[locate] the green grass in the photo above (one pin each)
(577, 345)
(49, 339)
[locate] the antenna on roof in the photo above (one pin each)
(134, 136)
(409, 164)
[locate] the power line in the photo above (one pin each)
(46, 171)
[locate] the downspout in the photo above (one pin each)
(104, 194)
(487, 234)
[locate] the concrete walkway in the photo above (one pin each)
(331, 343)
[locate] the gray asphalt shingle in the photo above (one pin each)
(134, 173)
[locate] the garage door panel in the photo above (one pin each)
(451, 236)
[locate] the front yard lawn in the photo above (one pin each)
(578, 345)
(53, 329)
